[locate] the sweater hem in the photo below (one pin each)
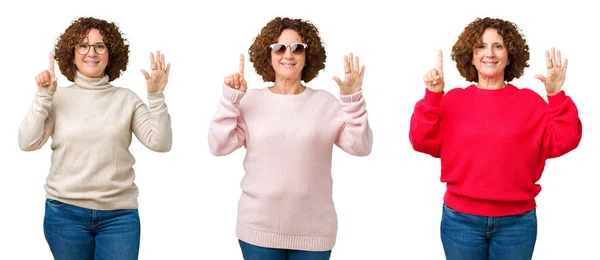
(94, 205)
(487, 208)
(285, 241)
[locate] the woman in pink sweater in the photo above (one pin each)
(493, 140)
(286, 209)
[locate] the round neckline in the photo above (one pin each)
(268, 92)
(506, 90)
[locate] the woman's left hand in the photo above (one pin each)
(157, 80)
(556, 72)
(353, 76)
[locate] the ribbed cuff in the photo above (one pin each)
(45, 92)
(557, 99)
(433, 98)
(156, 100)
(232, 95)
(352, 97)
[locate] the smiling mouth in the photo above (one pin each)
(92, 63)
(489, 63)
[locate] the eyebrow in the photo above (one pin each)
(93, 43)
(502, 43)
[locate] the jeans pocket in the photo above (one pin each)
(449, 209)
(527, 213)
(55, 203)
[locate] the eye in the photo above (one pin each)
(82, 45)
(498, 46)
(296, 46)
(480, 46)
(100, 46)
(277, 47)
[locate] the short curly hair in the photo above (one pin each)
(470, 38)
(260, 54)
(118, 46)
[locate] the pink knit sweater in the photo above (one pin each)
(287, 189)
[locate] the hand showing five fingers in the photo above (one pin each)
(353, 76)
(555, 76)
(434, 79)
(236, 80)
(46, 78)
(157, 81)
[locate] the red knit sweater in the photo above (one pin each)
(493, 144)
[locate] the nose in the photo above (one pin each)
(489, 52)
(92, 52)
(288, 53)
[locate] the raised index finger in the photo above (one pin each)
(51, 67)
(440, 61)
(242, 65)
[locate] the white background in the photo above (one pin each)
(389, 203)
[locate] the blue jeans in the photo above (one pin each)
(78, 233)
(252, 252)
(470, 237)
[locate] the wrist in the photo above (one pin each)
(348, 92)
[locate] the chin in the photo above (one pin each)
(95, 74)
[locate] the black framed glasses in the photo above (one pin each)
(296, 48)
(83, 48)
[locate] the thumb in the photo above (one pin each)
(146, 76)
(243, 85)
(541, 78)
(338, 81)
(53, 84)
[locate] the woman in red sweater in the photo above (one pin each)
(493, 140)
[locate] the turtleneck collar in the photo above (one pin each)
(85, 82)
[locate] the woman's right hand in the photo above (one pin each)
(434, 79)
(46, 78)
(236, 80)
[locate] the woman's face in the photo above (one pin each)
(490, 57)
(288, 64)
(91, 55)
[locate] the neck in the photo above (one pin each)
(287, 87)
(491, 83)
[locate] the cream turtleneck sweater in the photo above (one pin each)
(90, 123)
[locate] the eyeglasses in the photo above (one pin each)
(83, 48)
(280, 48)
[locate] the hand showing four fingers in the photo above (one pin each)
(434, 79)
(555, 76)
(157, 80)
(353, 76)
(47, 78)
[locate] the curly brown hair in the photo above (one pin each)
(470, 38)
(118, 47)
(260, 54)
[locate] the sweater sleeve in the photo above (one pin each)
(152, 124)
(563, 126)
(38, 125)
(227, 130)
(355, 137)
(424, 131)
